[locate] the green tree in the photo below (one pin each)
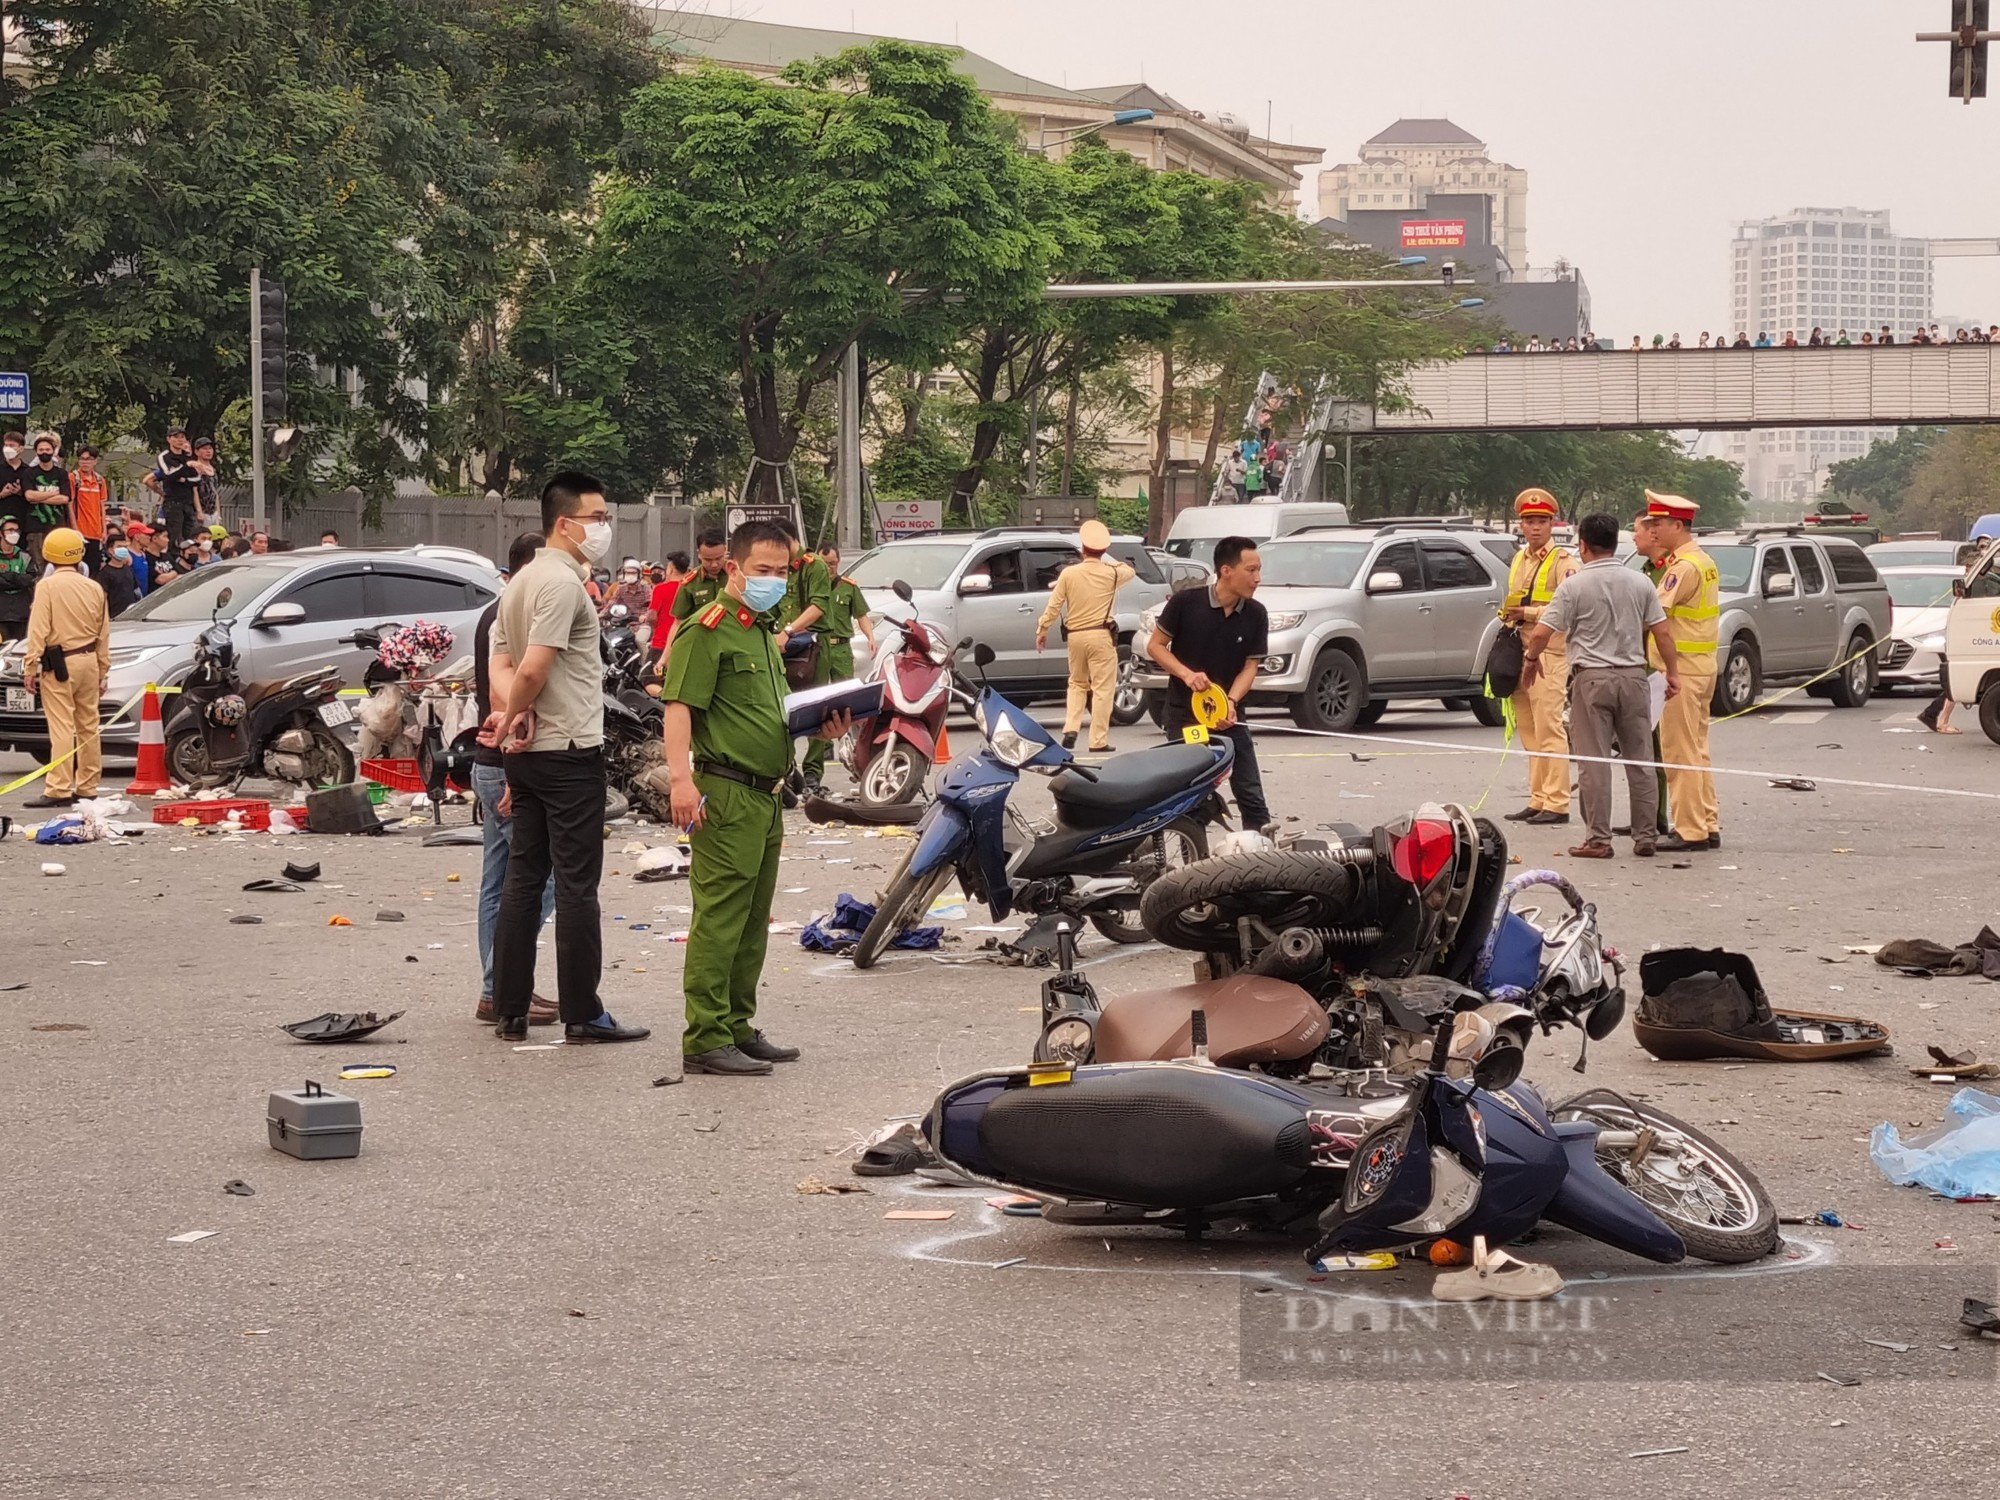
(1957, 482)
(783, 222)
(1879, 479)
(382, 159)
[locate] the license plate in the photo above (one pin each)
(20, 701)
(335, 713)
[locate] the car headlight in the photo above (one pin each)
(1290, 620)
(1009, 746)
(132, 656)
(1929, 642)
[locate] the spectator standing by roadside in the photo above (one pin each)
(1218, 635)
(90, 492)
(159, 559)
(208, 502)
(1231, 477)
(551, 728)
(178, 483)
(14, 465)
(47, 491)
(489, 785)
(329, 538)
(68, 653)
(630, 590)
(260, 543)
(17, 581)
(1606, 611)
(660, 605)
(119, 581)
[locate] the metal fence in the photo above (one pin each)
(647, 532)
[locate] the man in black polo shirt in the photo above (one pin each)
(1218, 634)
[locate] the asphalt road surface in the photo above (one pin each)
(546, 1277)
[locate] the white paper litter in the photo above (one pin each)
(191, 1236)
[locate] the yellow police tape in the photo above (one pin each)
(123, 709)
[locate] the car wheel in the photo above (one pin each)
(1740, 680)
(1128, 700)
(1488, 712)
(1371, 713)
(1335, 694)
(1989, 712)
(1854, 684)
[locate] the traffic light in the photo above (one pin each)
(1969, 34)
(271, 327)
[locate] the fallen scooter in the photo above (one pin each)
(1188, 1146)
(1117, 828)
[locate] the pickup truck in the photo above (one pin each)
(1794, 602)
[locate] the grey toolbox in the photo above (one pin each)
(312, 1124)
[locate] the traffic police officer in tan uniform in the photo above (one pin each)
(68, 655)
(1085, 596)
(1690, 591)
(1538, 707)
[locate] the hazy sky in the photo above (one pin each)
(1647, 130)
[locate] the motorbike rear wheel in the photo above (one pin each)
(328, 762)
(1714, 1202)
(894, 775)
(907, 898)
(1200, 906)
(1178, 845)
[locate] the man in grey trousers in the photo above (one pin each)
(1606, 612)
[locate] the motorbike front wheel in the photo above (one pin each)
(187, 761)
(1714, 1203)
(907, 898)
(895, 775)
(1179, 844)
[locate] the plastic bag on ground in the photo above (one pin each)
(841, 928)
(1960, 1158)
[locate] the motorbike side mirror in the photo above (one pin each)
(963, 644)
(1385, 581)
(617, 614)
(984, 655)
(273, 615)
(1498, 1068)
(222, 599)
(903, 591)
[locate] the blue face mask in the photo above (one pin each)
(762, 593)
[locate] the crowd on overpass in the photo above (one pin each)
(1818, 338)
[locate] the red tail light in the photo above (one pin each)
(1421, 855)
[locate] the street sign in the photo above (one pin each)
(1421, 234)
(13, 394)
(894, 518)
(756, 510)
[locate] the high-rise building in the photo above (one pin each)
(1831, 269)
(1403, 166)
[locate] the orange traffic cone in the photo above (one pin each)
(151, 777)
(943, 756)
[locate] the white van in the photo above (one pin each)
(1196, 530)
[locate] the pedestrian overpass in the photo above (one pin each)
(1901, 385)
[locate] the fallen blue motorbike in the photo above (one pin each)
(1377, 1163)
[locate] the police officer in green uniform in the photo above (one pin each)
(846, 610)
(808, 596)
(700, 588)
(727, 756)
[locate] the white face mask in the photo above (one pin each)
(595, 543)
(11, 451)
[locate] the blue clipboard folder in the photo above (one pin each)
(808, 708)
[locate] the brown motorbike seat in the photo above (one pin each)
(1251, 1019)
(256, 692)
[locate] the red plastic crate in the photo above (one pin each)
(256, 813)
(397, 775)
